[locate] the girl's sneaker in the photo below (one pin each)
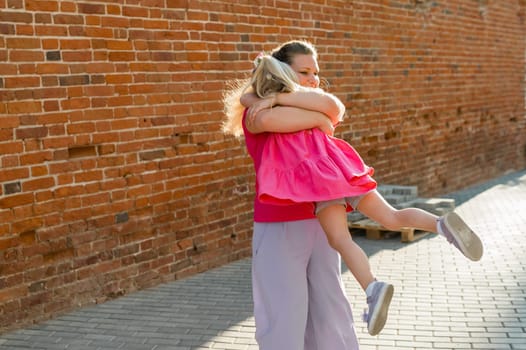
(458, 233)
(378, 302)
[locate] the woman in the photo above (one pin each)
(299, 300)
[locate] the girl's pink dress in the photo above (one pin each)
(309, 166)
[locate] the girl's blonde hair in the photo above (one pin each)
(232, 107)
(272, 75)
(269, 77)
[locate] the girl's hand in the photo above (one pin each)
(258, 106)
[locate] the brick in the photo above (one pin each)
(177, 4)
(91, 8)
(51, 106)
(35, 132)
(27, 225)
(53, 56)
(12, 187)
(150, 155)
(74, 80)
(17, 82)
(74, 44)
(67, 19)
(38, 184)
(121, 56)
(121, 217)
(10, 174)
(50, 44)
(51, 30)
(58, 255)
(49, 81)
(7, 29)
(88, 176)
(38, 5)
(24, 107)
(75, 103)
(15, 16)
(16, 200)
(26, 56)
(23, 43)
(81, 128)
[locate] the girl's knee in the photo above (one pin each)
(339, 241)
(392, 221)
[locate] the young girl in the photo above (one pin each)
(310, 166)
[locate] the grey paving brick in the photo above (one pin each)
(491, 346)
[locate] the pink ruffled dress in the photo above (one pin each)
(309, 166)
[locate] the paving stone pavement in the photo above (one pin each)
(442, 300)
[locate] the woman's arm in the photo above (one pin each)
(314, 100)
(249, 99)
(284, 119)
(311, 99)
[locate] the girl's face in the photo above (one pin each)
(306, 67)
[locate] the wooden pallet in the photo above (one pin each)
(374, 230)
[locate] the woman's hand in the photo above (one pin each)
(258, 106)
(327, 127)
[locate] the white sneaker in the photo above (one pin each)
(458, 233)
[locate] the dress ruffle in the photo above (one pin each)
(309, 166)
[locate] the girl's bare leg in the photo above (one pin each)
(375, 207)
(333, 220)
(450, 226)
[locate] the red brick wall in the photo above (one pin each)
(114, 173)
